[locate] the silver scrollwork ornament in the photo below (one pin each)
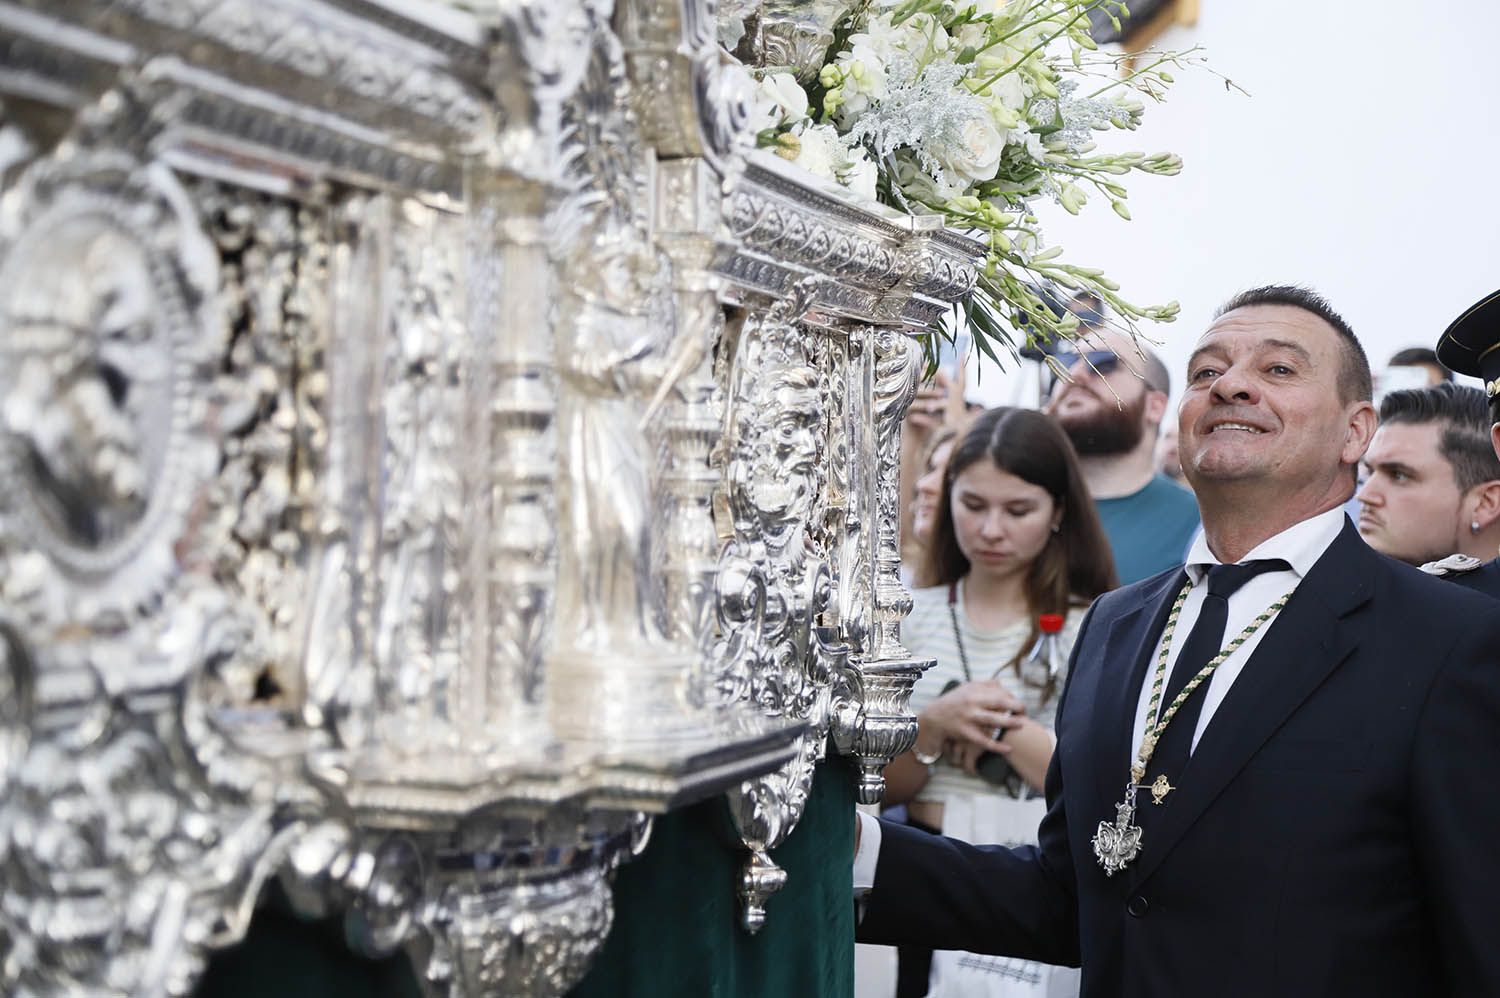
(770, 580)
(388, 504)
(792, 35)
(135, 827)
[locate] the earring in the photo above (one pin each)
(1474, 526)
(1057, 528)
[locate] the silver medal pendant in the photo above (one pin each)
(1117, 843)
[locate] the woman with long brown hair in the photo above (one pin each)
(1016, 537)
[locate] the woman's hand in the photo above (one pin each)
(1026, 744)
(969, 714)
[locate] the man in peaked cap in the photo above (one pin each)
(1471, 345)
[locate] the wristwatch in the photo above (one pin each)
(925, 758)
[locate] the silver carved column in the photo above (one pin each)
(809, 593)
(885, 671)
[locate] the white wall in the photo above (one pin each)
(1365, 163)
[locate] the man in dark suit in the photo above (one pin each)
(1471, 345)
(1305, 807)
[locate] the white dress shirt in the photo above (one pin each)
(1300, 546)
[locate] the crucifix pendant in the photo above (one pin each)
(1117, 843)
(1160, 788)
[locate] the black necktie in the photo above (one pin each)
(1203, 642)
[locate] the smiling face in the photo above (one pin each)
(1263, 407)
(1411, 507)
(1001, 522)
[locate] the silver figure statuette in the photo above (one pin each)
(1118, 843)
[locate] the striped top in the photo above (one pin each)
(928, 632)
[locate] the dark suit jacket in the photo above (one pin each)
(1336, 832)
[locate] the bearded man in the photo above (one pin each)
(1111, 407)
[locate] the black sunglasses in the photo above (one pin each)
(1100, 361)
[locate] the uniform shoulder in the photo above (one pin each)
(1471, 573)
(1425, 594)
(1454, 564)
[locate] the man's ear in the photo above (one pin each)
(1156, 407)
(1495, 438)
(1363, 421)
(1485, 498)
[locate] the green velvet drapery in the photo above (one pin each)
(676, 928)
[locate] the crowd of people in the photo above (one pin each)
(1320, 825)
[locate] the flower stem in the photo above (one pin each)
(1171, 57)
(1039, 46)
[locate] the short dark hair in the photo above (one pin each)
(1355, 383)
(1413, 356)
(1465, 418)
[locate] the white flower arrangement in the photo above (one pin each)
(781, 120)
(970, 110)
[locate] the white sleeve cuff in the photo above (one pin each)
(868, 854)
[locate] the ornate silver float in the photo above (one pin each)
(433, 445)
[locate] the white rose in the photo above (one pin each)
(822, 152)
(973, 151)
